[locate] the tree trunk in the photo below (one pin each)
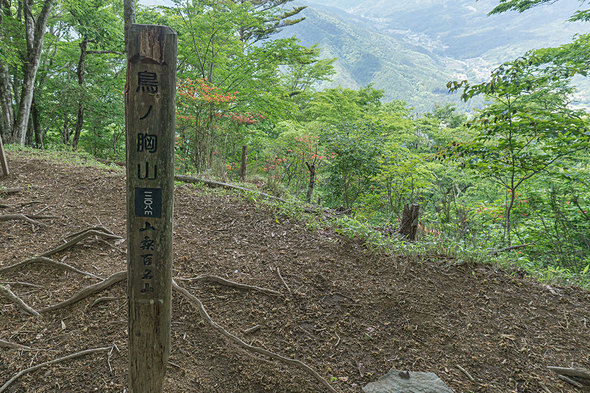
(66, 133)
(409, 224)
(243, 167)
(39, 137)
(129, 18)
(80, 72)
(3, 164)
(508, 222)
(7, 115)
(35, 32)
(311, 185)
(30, 132)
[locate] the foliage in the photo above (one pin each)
(356, 148)
(514, 172)
(529, 127)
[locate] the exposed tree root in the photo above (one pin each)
(40, 365)
(88, 291)
(104, 300)
(9, 345)
(76, 238)
(571, 372)
(48, 261)
(232, 284)
(120, 276)
(7, 293)
(203, 312)
(31, 219)
(581, 375)
(96, 228)
(21, 283)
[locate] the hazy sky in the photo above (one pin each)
(155, 2)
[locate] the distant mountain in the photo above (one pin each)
(411, 49)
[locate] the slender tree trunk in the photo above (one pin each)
(80, 72)
(243, 167)
(65, 134)
(508, 223)
(7, 115)
(3, 164)
(311, 185)
(39, 137)
(35, 32)
(129, 17)
(30, 132)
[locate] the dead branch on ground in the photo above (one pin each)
(8, 191)
(283, 280)
(510, 248)
(214, 184)
(40, 365)
(203, 312)
(10, 345)
(47, 261)
(23, 204)
(7, 293)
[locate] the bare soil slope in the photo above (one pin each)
(350, 315)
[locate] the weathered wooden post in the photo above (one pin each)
(3, 164)
(150, 111)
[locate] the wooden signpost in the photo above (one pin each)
(149, 117)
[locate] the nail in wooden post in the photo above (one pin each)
(149, 116)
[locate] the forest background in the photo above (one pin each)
(508, 180)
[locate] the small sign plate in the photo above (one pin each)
(148, 202)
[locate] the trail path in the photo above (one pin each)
(348, 314)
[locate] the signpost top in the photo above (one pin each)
(149, 42)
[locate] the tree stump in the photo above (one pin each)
(409, 224)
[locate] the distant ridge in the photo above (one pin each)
(411, 49)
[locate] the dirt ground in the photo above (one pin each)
(351, 315)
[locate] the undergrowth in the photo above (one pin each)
(318, 218)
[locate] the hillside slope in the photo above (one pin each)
(411, 49)
(349, 314)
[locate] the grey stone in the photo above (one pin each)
(398, 381)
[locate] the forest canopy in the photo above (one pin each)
(512, 176)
